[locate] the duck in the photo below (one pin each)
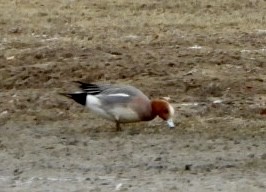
(121, 104)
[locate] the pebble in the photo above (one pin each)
(158, 159)
(188, 167)
(263, 156)
(251, 155)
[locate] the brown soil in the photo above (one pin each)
(213, 68)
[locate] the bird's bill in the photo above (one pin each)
(170, 123)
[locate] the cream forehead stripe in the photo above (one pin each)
(172, 110)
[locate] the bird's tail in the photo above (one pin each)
(90, 88)
(79, 97)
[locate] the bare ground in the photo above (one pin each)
(213, 68)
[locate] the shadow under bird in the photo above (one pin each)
(121, 103)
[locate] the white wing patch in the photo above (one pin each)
(92, 101)
(118, 95)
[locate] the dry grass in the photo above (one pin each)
(97, 22)
(44, 36)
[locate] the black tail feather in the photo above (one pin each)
(89, 88)
(78, 97)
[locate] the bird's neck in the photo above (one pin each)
(156, 106)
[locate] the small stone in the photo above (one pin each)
(229, 166)
(158, 159)
(89, 38)
(105, 183)
(155, 166)
(10, 58)
(17, 172)
(68, 55)
(15, 30)
(188, 167)
(171, 64)
(263, 156)
(39, 56)
(73, 142)
(251, 155)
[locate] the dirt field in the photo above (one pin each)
(208, 56)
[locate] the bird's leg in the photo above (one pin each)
(118, 128)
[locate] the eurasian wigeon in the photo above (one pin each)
(121, 103)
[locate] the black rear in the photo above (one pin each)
(78, 97)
